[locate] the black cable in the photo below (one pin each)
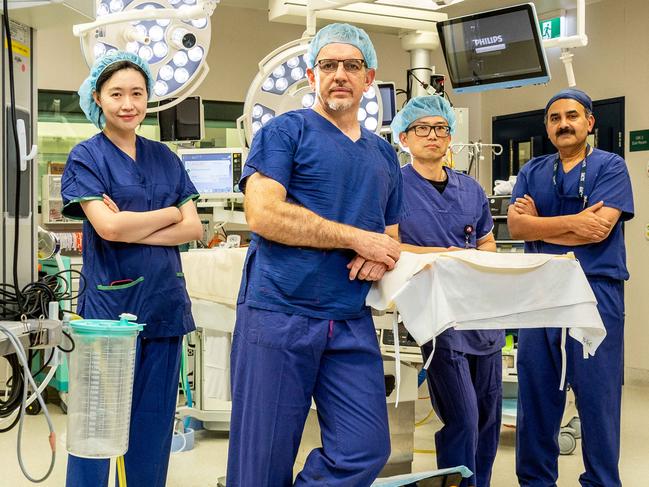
(409, 75)
(448, 98)
(45, 365)
(16, 383)
(67, 350)
(13, 120)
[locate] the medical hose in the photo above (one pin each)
(20, 354)
(184, 380)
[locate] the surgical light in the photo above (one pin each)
(160, 49)
(166, 72)
(281, 85)
(180, 58)
(181, 75)
(173, 36)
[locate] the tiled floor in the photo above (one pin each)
(201, 466)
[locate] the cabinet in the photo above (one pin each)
(52, 202)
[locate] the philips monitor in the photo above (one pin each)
(494, 49)
(389, 103)
(214, 172)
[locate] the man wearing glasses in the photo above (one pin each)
(573, 201)
(321, 193)
(449, 210)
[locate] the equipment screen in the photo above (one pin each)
(501, 230)
(494, 49)
(389, 101)
(210, 172)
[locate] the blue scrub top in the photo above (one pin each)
(356, 183)
(154, 287)
(439, 220)
(607, 179)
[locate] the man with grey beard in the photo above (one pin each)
(323, 198)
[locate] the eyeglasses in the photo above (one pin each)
(424, 130)
(331, 65)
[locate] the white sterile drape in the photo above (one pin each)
(214, 274)
(473, 290)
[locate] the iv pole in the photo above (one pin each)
(475, 153)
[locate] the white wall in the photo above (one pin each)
(614, 64)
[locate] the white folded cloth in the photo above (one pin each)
(474, 290)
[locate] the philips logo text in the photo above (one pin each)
(487, 41)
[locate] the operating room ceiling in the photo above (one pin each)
(463, 8)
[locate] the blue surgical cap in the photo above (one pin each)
(573, 94)
(89, 86)
(343, 34)
(420, 107)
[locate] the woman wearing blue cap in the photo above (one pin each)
(449, 210)
(136, 201)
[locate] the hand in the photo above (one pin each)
(589, 225)
(525, 206)
(377, 247)
(365, 270)
(110, 203)
(454, 249)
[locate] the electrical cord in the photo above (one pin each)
(16, 384)
(36, 296)
(20, 354)
(14, 131)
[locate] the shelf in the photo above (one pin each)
(74, 224)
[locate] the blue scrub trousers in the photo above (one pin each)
(466, 392)
(278, 363)
(155, 392)
(597, 384)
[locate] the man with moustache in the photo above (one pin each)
(323, 197)
(573, 201)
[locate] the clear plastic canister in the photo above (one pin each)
(101, 386)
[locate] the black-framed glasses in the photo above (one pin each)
(350, 65)
(424, 130)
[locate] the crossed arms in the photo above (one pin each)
(591, 225)
(271, 216)
(166, 226)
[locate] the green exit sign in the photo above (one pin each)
(639, 140)
(550, 28)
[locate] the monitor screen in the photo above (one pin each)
(182, 122)
(389, 102)
(495, 49)
(210, 171)
(501, 230)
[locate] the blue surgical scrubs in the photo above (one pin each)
(465, 374)
(145, 280)
(597, 381)
(303, 330)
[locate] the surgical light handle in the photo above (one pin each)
(200, 10)
(22, 145)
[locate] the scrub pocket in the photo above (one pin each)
(168, 303)
(113, 300)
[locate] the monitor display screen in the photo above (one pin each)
(211, 172)
(182, 122)
(495, 49)
(389, 102)
(501, 231)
